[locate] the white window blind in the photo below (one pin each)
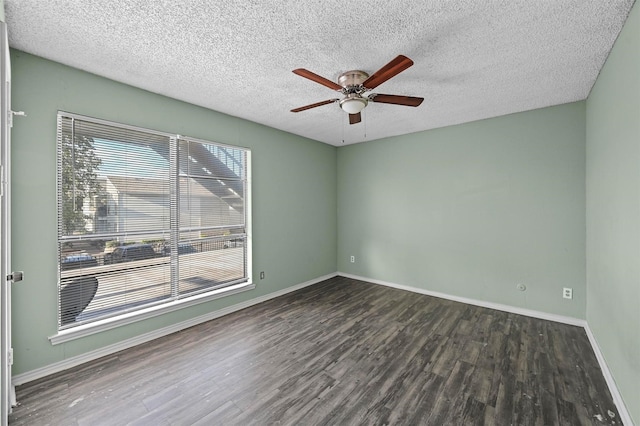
(144, 218)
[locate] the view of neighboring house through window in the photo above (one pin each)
(145, 218)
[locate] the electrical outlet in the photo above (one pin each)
(567, 293)
(353, 259)
(262, 275)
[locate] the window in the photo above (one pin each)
(145, 219)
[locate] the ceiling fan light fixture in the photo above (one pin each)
(353, 103)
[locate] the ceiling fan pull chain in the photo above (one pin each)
(365, 124)
(342, 121)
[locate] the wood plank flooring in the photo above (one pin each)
(342, 352)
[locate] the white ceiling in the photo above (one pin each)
(474, 59)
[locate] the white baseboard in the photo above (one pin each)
(497, 306)
(38, 373)
(615, 393)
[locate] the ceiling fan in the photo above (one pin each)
(356, 84)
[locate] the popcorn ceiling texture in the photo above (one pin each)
(474, 59)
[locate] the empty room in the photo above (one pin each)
(320, 213)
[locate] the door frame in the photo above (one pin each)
(6, 352)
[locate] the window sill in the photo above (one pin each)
(131, 317)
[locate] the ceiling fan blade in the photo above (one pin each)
(355, 118)
(393, 68)
(317, 104)
(318, 79)
(396, 99)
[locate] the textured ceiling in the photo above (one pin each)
(474, 59)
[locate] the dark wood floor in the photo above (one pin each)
(341, 352)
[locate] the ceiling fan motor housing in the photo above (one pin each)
(351, 81)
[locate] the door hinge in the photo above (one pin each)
(16, 276)
(10, 357)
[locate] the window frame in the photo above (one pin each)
(130, 316)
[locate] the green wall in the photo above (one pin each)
(472, 210)
(294, 195)
(613, 212)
